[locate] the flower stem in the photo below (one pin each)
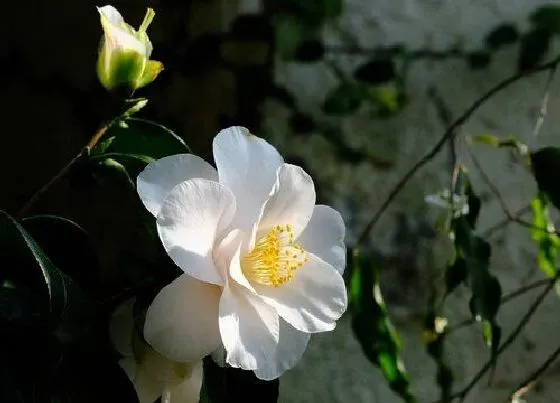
(38, 194)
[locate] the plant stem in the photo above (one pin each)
(461, 395)
(38, 194)
(531, 379)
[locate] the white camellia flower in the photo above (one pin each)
(152, 375)
(263, 264)
(124, 55)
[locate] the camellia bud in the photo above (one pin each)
(124, 54)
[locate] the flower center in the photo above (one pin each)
(275, 257)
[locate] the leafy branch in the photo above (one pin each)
(462, 394)
(447, 135)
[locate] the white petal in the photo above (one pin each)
(247, 165)
(311, 301)
(159, 177)
(121, 327)
(111, 13)
(291, 201)
(182, 321)
(188, 391)
(118, 34)
(291, 346)
(324, 237)
(193, 215)
(128, 365)
(249, 328)
(234, 270)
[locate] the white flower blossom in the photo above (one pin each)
(262, 263)
(152, 375)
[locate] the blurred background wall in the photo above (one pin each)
(213, 78)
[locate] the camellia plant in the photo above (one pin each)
(248, 266)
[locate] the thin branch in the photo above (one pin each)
(544, 103)
(38, 194)
(505, 299)
(526, 385)
(511, 338)
(421, 54)
(505, 222)
(444, 138)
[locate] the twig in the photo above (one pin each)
(505, 222)
(544, 103)
(427, 54)
(526, 385)
(38, 194)
(444, 138)
(461, 395)
(505, 299)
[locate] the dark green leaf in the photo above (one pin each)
(376, 71)
(289, 35)
(504, 34)
(547, 18)
(546, 166)
(251, 27)
(455, 274)
(372, 327)
(308, 51)
(474, 252)
(282, 95)
(110, 172)
(543, 233)
(232, 385)
(478, 60)
(332, 8)
(534, 47)
(343, 100)
(434, 337)
(68, 246)
(90, 376)
(301, 123)
(137, 144)
(69, 310)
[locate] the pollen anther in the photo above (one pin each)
(275, 257)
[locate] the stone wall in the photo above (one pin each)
(333, 369)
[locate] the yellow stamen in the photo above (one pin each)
(275, 257)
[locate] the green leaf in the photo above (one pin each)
(302, 123)
(474, 252)
(478, 60)
(455, 274)
(89, 374)
(372, 327)
(309, 51)
(57, 236)
(137, 143)
(289, 33)
(376, 71)
(534, 47)
(434, 338)
(504, 34)
(332, 8)
(343, 100)
(231, 385)
(547, 18)
(251, 27)
(67, 306)
(544, 234)
(545, 164)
